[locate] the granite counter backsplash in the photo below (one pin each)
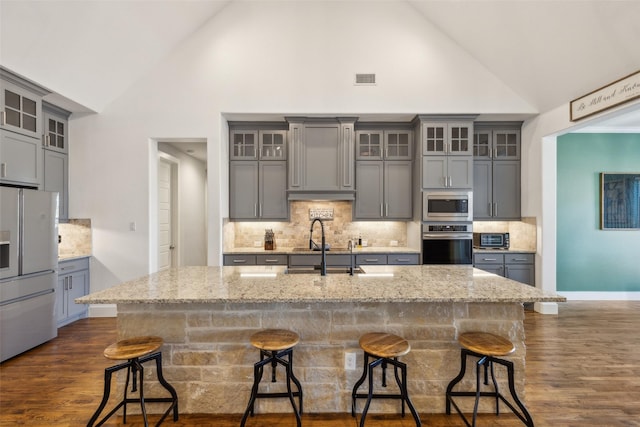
(75, 239)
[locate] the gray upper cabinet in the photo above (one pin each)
(446, 138)
(496, 170)
(321, 156)
(446, 147)
(21, 105)
(20, 159)
(258, 184)
(440, 172)
(55, 158)
(384, 187)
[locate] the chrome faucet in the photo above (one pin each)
(312, 245)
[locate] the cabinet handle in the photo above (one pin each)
(403, 260)
(47, 140)
(381, 210)
(490, 208)
(386, 209)
(3, 118)
(271, 260)
(489, 259)
(3, 170)
(371, 260)
(255, 209)
(70, 283)
(495, 209)
(239, 261)
(260, 209)
(518, 259)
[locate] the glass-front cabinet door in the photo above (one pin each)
(55, 132)
(273, 145)
(506, 144)
(460, 141)
(369, 145)
(398, 145)
(434, 138)
(244, 145)
(21, 110)
(482, 147)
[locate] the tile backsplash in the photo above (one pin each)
(75, 238)
(522, 234)
(295, 233)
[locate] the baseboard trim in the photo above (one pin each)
(103, 310)
(600, 296)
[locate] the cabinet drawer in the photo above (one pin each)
(271, 259)
(239, 260)
(491, 268)
(484, 258)
(519, 259)
(310, 260)
(403, 259)
(363, 259)
(67, 267)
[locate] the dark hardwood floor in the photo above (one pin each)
(583, 369)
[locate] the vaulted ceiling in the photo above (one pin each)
(547, 52)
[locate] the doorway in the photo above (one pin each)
(167, 212)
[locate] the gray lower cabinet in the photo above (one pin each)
(384, 190)
(20, 159)
(255, 259)
(513, 265)
(73, 282)
(258, 190)
(311, 260)
(371, 259)
(403, 259)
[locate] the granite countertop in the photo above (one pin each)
(333, 250)
(71, 257)
(268, 284)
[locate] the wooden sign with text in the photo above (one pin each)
(616, 93)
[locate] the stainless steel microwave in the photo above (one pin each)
(447, 206)
(491, 240)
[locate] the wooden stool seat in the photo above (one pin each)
(274, 339)
(383, 349)
(276, 348)
(485, 349)
(486, 343)
(133, 347)
(382, 344)
(135, 352)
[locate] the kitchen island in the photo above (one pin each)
(207, 314)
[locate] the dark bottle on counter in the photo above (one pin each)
(269, 240)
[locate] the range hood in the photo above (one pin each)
(303, 195)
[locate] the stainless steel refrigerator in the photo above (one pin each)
(28, 263)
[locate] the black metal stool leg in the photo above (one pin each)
(296, 382)
(456, 380)
(168, 387)
(359, 383)
(105, 397)
(370, 391)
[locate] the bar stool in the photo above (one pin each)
(384, 349)
(276, 348)
(135, 351)
(486, 347)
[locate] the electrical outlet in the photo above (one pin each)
(393, 243)
(364, 243)
(257, 243)
(350, 361)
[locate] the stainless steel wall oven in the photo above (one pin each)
(447, 243)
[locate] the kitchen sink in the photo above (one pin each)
(316, 270)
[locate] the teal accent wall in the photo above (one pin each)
(590, 259)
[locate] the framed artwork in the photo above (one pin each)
(619, 201)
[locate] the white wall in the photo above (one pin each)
(261, 57)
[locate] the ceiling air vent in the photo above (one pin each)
(365, 79)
